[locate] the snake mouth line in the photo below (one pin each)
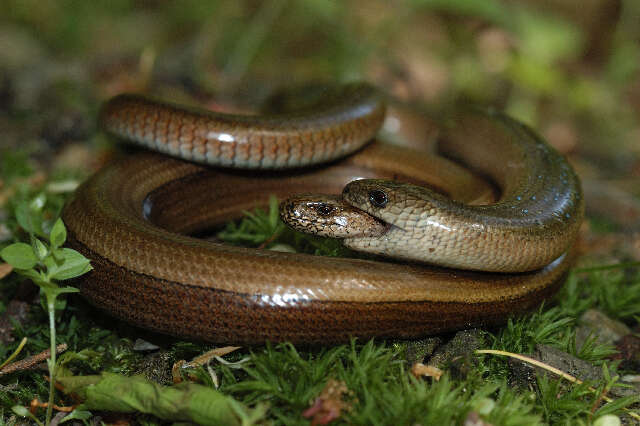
(386, 226)
(386, 229)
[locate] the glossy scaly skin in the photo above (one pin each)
(338, 127)
(131, 217)
(535, 220)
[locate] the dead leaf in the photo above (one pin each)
(420, 370)
(5, 269)
(203, 359)
(328, 406)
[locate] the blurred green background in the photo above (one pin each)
(569, 68)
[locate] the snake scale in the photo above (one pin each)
(134, 220)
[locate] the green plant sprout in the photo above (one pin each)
(45, 262)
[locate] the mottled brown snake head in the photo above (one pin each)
(329, 216)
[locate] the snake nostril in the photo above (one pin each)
(378, 198)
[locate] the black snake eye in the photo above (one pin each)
(378, 198)
(324, 209)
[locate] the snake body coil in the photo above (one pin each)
(133, 218)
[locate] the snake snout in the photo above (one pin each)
(329, 216)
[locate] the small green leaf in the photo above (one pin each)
(29, 215)
(19, 255)
(21, 411)
(38, 202)
(41, 251)
(77, 415)
(23, 216)
(64, 290)
(57, 254)
(73, 265)
(58, 234)
(186, 402)
(607, 420)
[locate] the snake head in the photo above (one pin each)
(328, 216)
(389, 201)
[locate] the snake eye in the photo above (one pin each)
(378, 198)
(324, 209)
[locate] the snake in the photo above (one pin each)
(501, 205)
